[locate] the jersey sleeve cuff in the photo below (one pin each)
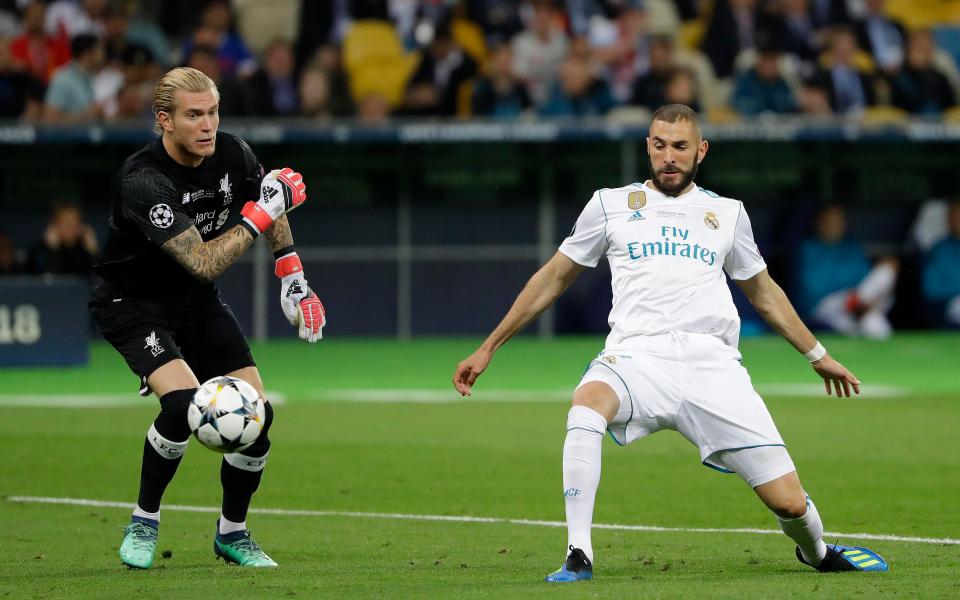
(583, 262)
(744, 274)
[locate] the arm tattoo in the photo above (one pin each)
(279, 234)
(207, 260)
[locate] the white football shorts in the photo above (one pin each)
(692, 383)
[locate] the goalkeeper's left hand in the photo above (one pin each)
(300, 304)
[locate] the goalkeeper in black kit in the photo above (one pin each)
(187, 207)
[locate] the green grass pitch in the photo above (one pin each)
(886, 463)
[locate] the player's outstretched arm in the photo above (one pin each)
(207, 260)
(300, 304)
(772, 304)
(540, 293)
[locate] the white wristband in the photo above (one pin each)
(817, 353)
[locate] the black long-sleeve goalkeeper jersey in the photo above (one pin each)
(156, 199)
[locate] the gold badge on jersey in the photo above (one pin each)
(637, 200)
(711, 220)
(610, 359)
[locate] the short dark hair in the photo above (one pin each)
(82, 44)
(671, 113)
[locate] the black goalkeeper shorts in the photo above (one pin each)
(207, 336)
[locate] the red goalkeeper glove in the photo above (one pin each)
(300, 305)
(280, 192)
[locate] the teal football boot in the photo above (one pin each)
(139, 543)
(239, 548)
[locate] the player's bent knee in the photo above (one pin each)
(254, 457)
(598, 396)
(172, 420)
(790, 508)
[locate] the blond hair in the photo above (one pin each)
(185, 79)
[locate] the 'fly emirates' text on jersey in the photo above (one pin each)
(667, 256)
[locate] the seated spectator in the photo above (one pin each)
(827, 13)
(794, 30)
(272, 90)
(762, 88)
(838, 285)
(814, 102)
(21, 95)
(499, 93)
(328, 59)
(682, 89)
(649, 90)
(848, 89)
(373, 109)
(217, 31)
(941, 275)
(67, 19)
(919, 87)
(38, 53)
(436, 82)
(579, 92)
(620, 46)
(9, 261)
(314, 99)
(70, 97)
(881, 36)
(730, 31)
(539, 50)
(499, 19)
(68, 246)
(140, 74)
(232, 97)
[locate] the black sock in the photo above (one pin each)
(240, 473)
(164, 447)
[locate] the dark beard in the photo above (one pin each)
(674, 190)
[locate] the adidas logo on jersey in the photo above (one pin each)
(636, 216)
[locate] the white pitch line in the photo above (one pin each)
(423, 396)
(471, 519)
(92, 400)
(435, 396)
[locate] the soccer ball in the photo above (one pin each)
(226, 414)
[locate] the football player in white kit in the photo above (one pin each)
(671, 359)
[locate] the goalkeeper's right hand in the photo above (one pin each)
(280, 192)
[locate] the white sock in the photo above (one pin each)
(878, 286)
(227, 526)
(581, 473)
(139, 512)
(807, 532)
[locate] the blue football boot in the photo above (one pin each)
(848, 558)
(576, 568)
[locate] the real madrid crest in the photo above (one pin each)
(637, 200)
(711, 220)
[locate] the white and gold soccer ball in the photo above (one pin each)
(226, 414)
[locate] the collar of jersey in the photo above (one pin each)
(645, 185)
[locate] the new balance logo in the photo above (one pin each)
(636, 216)
(153, 344)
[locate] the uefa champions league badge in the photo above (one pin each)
(711, 220)
(636, 200)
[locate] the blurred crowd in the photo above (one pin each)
(836, 280)
(64, 61)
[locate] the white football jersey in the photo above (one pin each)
(667, 256)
